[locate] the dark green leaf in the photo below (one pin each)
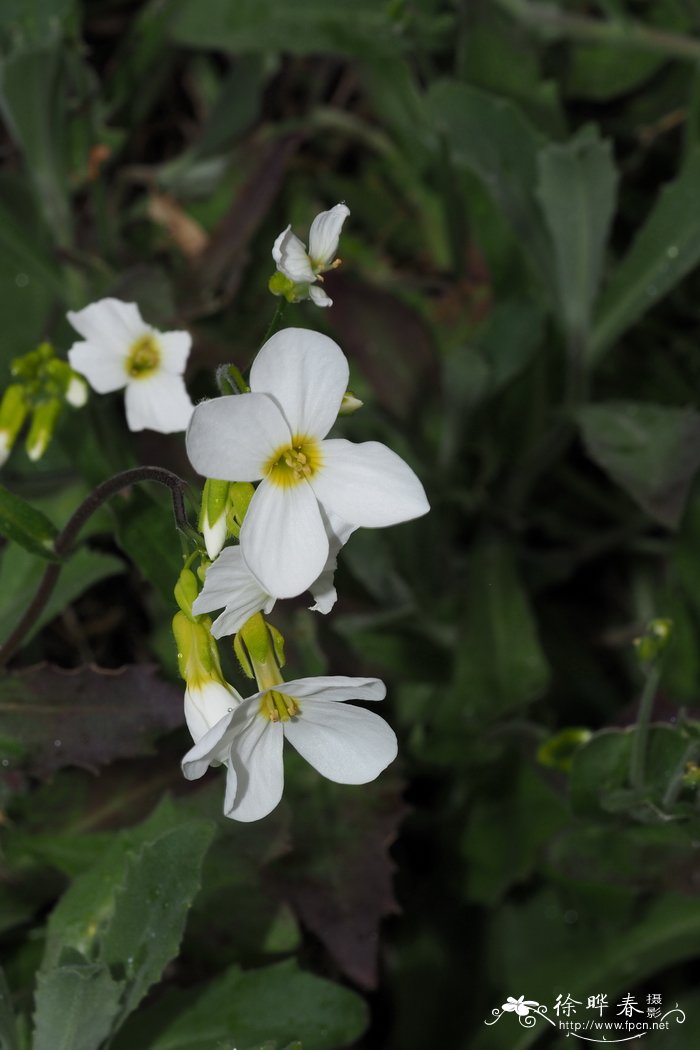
(499, 665)
(8, 1031)
(279, 1003)
(651, 451)
(75, 1007)
(26, 525)
(576, 190)
(489, 136)
(664, 251)
(148, 920)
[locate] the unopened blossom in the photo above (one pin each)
(230, 584)
(277, 434)
(304, 268)
(121, 351)
(346, 744)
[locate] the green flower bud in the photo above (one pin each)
(239, 496)
(42, 427)
(212, 515)
(186, 591)
(652, 643)
(349, 404)
(13, 412)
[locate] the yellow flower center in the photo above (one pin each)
(143, 358)
(294, 463)
(278, 707)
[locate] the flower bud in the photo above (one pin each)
(349, 404)
(13, 412)
(185, 591)
(42, 427)
(212, 518)
(239, 497)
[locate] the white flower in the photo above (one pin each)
(276, 433)
(348, 745)
(302, 267)
(230, 584)
(121, 350)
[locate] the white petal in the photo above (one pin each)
(323, 589)
(102, 367)
(206, 705)
(174, 350)
(325, 234)
(307, 374)
(336, 688)
(214, 742)
(110, 324)
(318, 296)
(367, 484)
(290, 255)
(160, 402)
(345, 744)
(229, 582)
(283, 538)
(232, 437)
(256, 755)
(214, 535)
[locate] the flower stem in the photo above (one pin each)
(550, 20)
(641, 735)
(276, 318)
(675, 785)
(69, 533)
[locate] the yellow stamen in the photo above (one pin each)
(294, 463)
(278, 707)
(143, 358)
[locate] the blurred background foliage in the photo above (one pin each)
(520, 303)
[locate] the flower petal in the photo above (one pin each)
(214, 535)
(323, 589)
(230, 583)
(307, 374)
(206, 705)
(345, 744)
(283, 538)
(103, 368)
(335, 688)
(367, 484)
(160, 402)
(318, 296)
(111, 324)
(175, 349)
(232, 437)
(256, 756)
(290, 256)
(325, 234)
(208, 747)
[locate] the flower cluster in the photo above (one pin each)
(312, 493)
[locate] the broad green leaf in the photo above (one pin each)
(75, 1007)
(84, 911)
(576, 190)
(20, 573)
(146, 926)
(666, 249)
(499, 663)
(279, 1003)
(32, 101)
(596, 72)
(507, 830)
(8, 1031)
(26, 525)
(651, 451)
(491, 138)
(351, 27)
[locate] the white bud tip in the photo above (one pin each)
(77, 392)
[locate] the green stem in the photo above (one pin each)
(641, 735)
(550, 20)
(65, 539)
(276, 318)
(675, 784)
